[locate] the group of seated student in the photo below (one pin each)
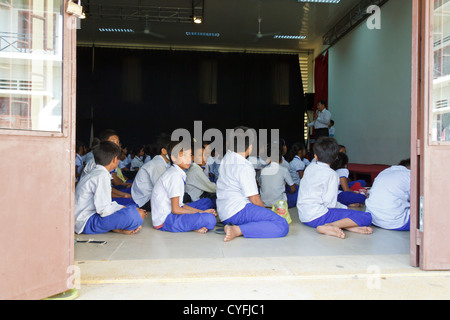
(188, 188)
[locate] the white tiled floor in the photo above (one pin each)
(304, 265)
(301, 241)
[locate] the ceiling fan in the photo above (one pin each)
(259, 35)
(147, 30)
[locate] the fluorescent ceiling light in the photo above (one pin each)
(198, 20)
(321, 1)
(203, 34)
(115, 30)
(287, 37)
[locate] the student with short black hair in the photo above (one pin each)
(390, 196)
(238, 202)
(317, 198)
(346, 195)
(95, 212)
(123, 197)
(150, 172)
(276, 181)
(169, 213)
(138, 160)
(198, 185)
(79, 158)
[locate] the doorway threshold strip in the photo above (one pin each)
(357, 276)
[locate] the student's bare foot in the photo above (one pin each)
(232, 232)
(127, 232)
(142, 213)
(202, 230)
(362, 230)
(121, 231)
(331, 230)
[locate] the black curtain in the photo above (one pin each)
(141, 93)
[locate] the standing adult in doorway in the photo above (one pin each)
(322, 118)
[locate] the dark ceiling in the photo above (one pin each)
(229, 24)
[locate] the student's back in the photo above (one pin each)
(146, 179)
(274, 178)
(389, 200)
(318, 191)
(169, 185)
(237, 181)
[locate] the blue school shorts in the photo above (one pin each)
(127, 218)
(259, 222)
(362, 219)
(189, 222)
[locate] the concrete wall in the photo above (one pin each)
(370, 88)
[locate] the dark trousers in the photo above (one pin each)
(321, 133)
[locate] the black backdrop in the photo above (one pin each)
(141, 93)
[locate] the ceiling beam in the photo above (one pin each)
(194, 8)
(351, 19)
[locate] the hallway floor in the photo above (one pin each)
(155, 265)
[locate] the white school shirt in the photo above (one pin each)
(295, 166)
(332, 132)
(317, 192)
(136, 163)
(274, 178)
(89, 163)
(237, 182)
(342, 173)
(322, 121)
(284, 163)
(146, 178)
(93, 195)
(389, 199)
(212, 166)
(197, 182)
(168, 186)
(306, 162)
(79, 162)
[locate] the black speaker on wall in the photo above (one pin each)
(309, 101)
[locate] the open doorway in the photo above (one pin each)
(362, 143)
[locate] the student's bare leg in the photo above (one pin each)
(335, 228)
(351, 226)
(331, 230)
(232, 232)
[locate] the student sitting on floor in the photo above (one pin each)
(389, 200)
(296, 165)
(346, 196)
(317, 197)
(274, 179)
(79, 158)
(212, 163)
(138, 160)
(283, 146)
(95, 212)
(296, 169)
(122, 197)
(198, 185)
(238, 201)
(148, 175)
(169, 213)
